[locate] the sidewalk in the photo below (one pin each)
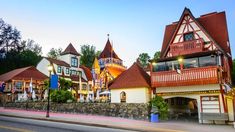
(113, 122)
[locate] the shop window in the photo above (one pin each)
(191, 63)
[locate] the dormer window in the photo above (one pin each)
(74, 62)
(188, 36)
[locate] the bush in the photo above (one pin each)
(61, 96)
(158, 105)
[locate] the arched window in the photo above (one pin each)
(123, 97)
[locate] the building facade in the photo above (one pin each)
(67, 66)
(193, 73)
(131, 86)
(105, 69)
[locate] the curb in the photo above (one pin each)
(77, 123)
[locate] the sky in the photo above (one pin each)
(135, 26)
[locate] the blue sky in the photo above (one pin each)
(135, 26)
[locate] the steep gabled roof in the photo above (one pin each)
(58, 62)
(70, 50)
(133, 77)
(23, 73)
(108, 52)
(87, 72)
(214, 25)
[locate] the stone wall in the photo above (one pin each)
(126, 110)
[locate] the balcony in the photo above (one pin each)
(187, 47)
(192, 76)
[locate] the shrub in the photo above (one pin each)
(158, 105)
(61, 96)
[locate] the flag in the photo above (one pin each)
(2, 87)
(31, 86)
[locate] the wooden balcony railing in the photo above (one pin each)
(192, 76)
(186, 47)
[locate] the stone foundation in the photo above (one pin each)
(137, 111)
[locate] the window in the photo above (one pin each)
(159, 67)
(67, 70)
(18, 85)
(74, 62)
(207, 61)
(191, 63)
(123, 97)
(172, 65)
(188, 36)
(59, 69)
(73, 72)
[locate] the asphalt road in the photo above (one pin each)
(10, 124)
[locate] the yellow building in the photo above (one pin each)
(106, 68)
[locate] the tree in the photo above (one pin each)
(9, 38)
(158, 105)
(54, 53)
(233, 73)
(157, 55)
(88, 55)
(143, 59)
(32, 46)
(97, 54)
(15, 53)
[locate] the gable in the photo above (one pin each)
(209, 32)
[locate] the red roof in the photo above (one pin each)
(214, 24)
(133, 77)
(23, 73)
(70, 50)
(108, 52)
(58, 62)
(87, 73)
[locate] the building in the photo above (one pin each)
(131, 86)
(67, 66)
(106, 68)
(193, 73)
(17, 81)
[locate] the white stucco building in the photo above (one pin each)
(131, 86)
(67, 66)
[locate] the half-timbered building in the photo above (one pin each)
(193, 73)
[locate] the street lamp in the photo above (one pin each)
(50, 68)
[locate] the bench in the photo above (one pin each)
(214, 116)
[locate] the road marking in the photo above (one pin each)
(15, 129)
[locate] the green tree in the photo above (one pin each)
(15, 53)
(54, 53)
(158, 105)
(65, 84)
(9, 38)
(32, 46)
(61, 96)
(97, 54)
(233, 73)
(157, 55)
(143, 59)
(88, 55)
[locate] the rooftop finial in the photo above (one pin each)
(108, 36)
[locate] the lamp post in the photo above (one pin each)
(50, 68)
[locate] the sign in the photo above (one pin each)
(54, 82)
